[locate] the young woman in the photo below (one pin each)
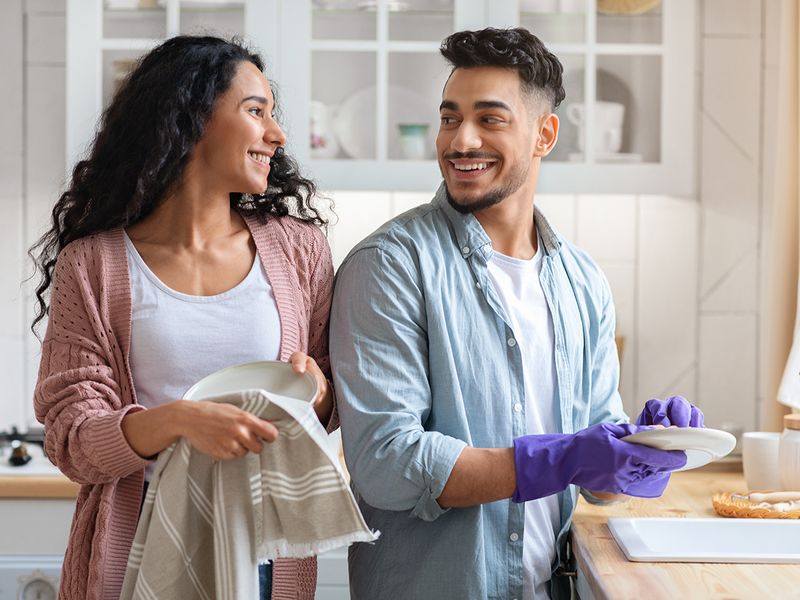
(186, 242)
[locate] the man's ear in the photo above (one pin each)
(547, 135)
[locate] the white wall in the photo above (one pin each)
(731, 154)
(11, 212)
(683, 271)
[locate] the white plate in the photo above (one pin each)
(702, 445)
(707, 540)
(355, 123)
(269, 375)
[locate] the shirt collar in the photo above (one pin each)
(471, 236)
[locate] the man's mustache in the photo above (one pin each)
(470, 155)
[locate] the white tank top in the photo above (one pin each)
(177, 339)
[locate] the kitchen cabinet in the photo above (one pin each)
(369, 108)
(359, 81)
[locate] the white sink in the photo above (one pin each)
(708, 540)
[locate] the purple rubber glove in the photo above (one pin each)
(595, 459)
(675, 410)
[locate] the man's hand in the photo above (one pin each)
(674, 411)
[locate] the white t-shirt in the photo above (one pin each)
(520, 290)
(177, 339)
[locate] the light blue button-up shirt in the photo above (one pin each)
(425, 363)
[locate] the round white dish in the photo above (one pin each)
(702, 445)
(355, 121)
(270, 375)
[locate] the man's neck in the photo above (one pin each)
(510, 225)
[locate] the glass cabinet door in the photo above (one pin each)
(612, 56)
(358, 82)
(415, 87)
(132, 27)
(555, 21)
(376, 78)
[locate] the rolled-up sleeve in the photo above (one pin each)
(379, 358)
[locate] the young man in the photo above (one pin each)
(474, 359)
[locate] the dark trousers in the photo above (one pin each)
(265, 581)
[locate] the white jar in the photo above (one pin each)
(789, 453)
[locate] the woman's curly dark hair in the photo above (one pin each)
(145, 139)
(539, 69)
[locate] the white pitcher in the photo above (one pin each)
(608, 120)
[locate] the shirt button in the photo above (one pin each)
(465, 250)
(518, 407)
(512, 342)
(513, 537)
(478, 284)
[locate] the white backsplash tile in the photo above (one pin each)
(359, 214)
(622, 279)
(31, 356)
(727, 369)
(770, 120)
(12, 408)
(772, 16)
(684, 384)
(559, 209)
(729, 180)
(606, 227)
(403, 201)
(727, 240)
(666, 291)
(732, 17)
(726, 64)
(737, 291)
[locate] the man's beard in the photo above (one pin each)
(514, 181)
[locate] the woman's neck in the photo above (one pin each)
(188, 219)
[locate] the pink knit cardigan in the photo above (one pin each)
(85, 388)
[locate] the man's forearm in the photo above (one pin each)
(480, 475)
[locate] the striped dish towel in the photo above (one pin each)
(206, 524)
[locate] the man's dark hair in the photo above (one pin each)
(539, 69)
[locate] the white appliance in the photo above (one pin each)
(34, 535)
(29, 577)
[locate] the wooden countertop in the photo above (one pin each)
(37, 487)
(610, 575)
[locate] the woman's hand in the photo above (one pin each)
(323, 402)
(224, 431)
